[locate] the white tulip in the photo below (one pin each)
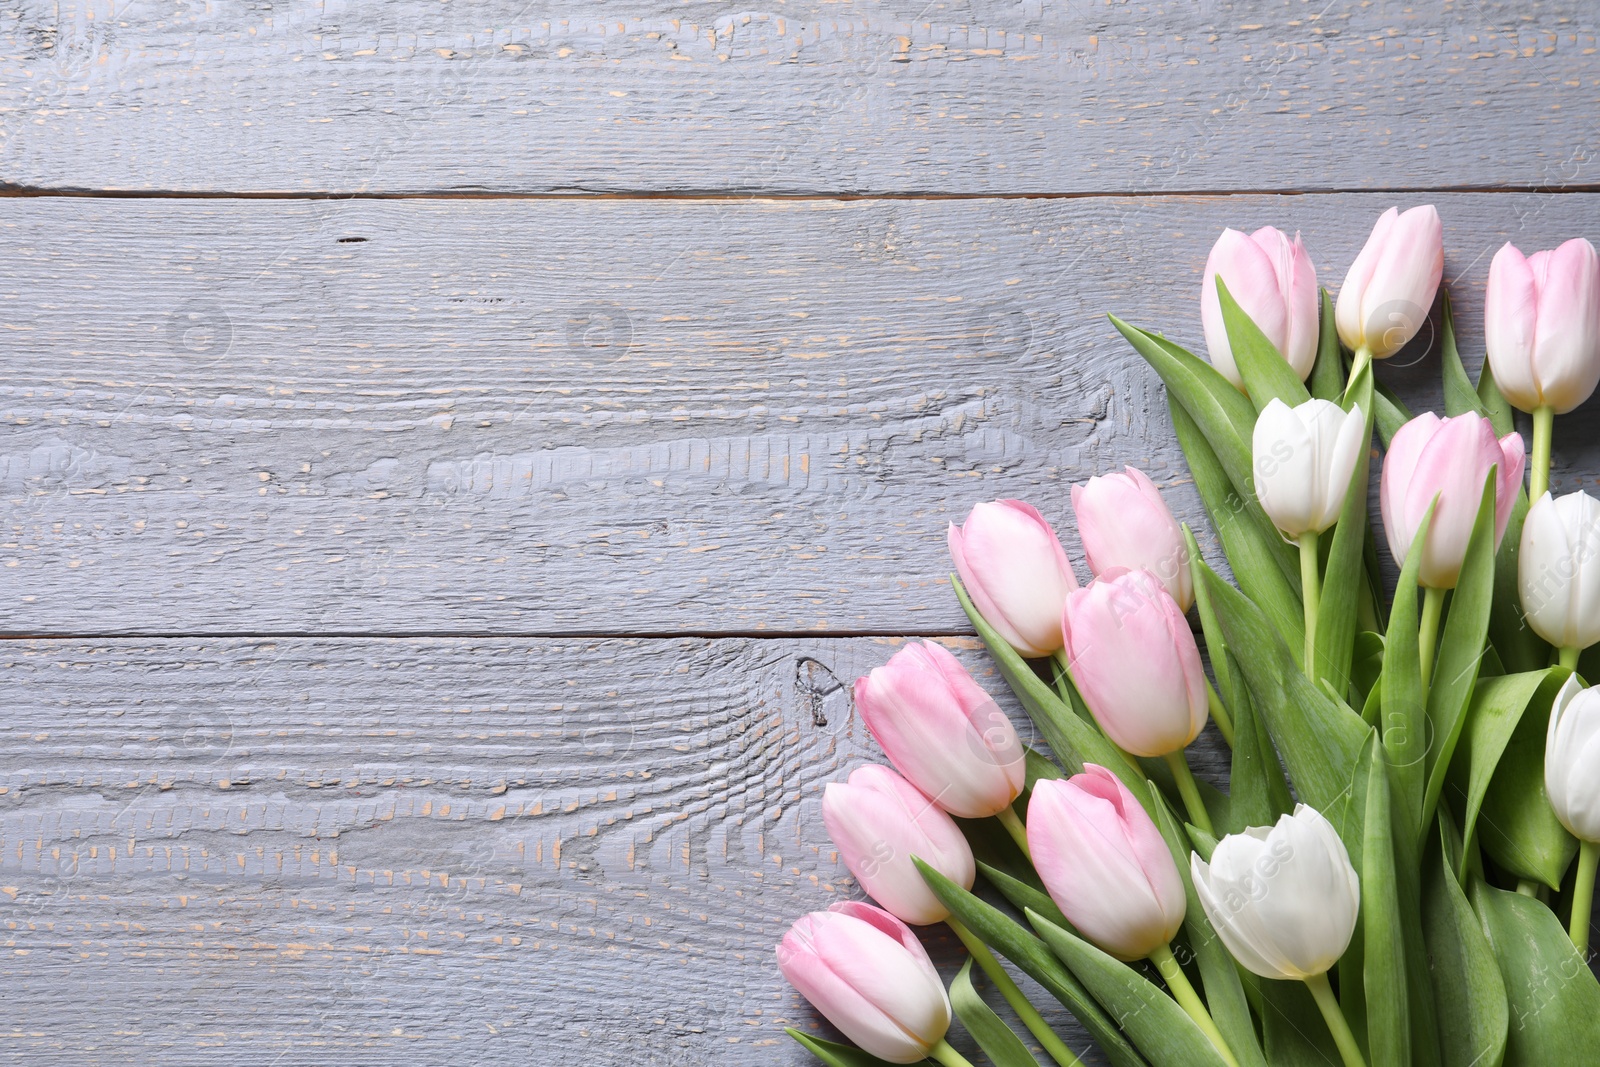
(1572, 759)
(1558, 569)
(1304, 457)
(1283, 898)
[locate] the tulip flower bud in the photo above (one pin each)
(1449, 459)
(1016, 572)
(1304, 457)
(878, 821)
(1272, 280)
(869, 975)
(1135, 662)
(1391, 285)
(1572, 759)
(942, 731)
(1123, 522)
(1104, 862)
(1541, 325)
(1558, 569)
(1283, 898)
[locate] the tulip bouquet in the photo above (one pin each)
(1401, 869)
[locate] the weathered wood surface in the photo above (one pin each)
(964, 96)
(496, 852)
(424, 417)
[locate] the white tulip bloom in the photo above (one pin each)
(1558, 569)
(1572, 759)
(1283, 898)
(1303, 458)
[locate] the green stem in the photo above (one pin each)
(1189, 791)
(1025, 1011)
(1569, 658)
(1583, 894)
(948, 1056)
(1527, 888)
(1063, 673)
(1311, 594)
(1219, 714)
(1428, 632)
(1331, 1012)
(1009, 819)
(1363, 357)
(1544, 420)
(1189, 1000)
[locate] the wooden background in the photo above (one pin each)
(456, 456)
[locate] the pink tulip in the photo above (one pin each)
(1541, 325)
(1123, 522)
(1390, 287)
(1446, 458)
(867, 972)
(1134, 659)
(1272, 280)
(942, 731)
(1016, 572)
(1104, 862)
(878, 821)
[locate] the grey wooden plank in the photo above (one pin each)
(965, 96)
(599, 416)
(497, 852)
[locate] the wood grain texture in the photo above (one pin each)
(861, 96)
(400, 851)
(543, 417)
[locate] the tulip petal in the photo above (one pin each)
(1510, 310)
(1347, 312)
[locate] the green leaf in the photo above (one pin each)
(1519, 648)
(1260, 793)
(1152, 1019)
(1036, 960)
(1328, 372)
(1252, 546)
(1224, 993)
(1461, 646)
(1003, 1047)
(1039, 766)
(1516, 825)
(1366, 663)
(1267, 375)
(1391, 412)
(1496, 710)
(1225, 418)
(1554, 999)
(1343, 584)
(1468, 990)
(1023, 893)
(1459, 395)
(1495, 405)
(1405, 725)
(1296, 1035)
(1382, 921)
(1073, 740)
(834, 1054)
(1318, 738)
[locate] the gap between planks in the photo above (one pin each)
(25, 192)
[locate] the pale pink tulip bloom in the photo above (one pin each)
(1123, 522)
(1541, 325)
(1134, 660)
(879, 821)
(1449, 459)
(1016, 573)
(869, 975)
(1390, 287)
(1104, 862)
(942, 731)
(1272, 280)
